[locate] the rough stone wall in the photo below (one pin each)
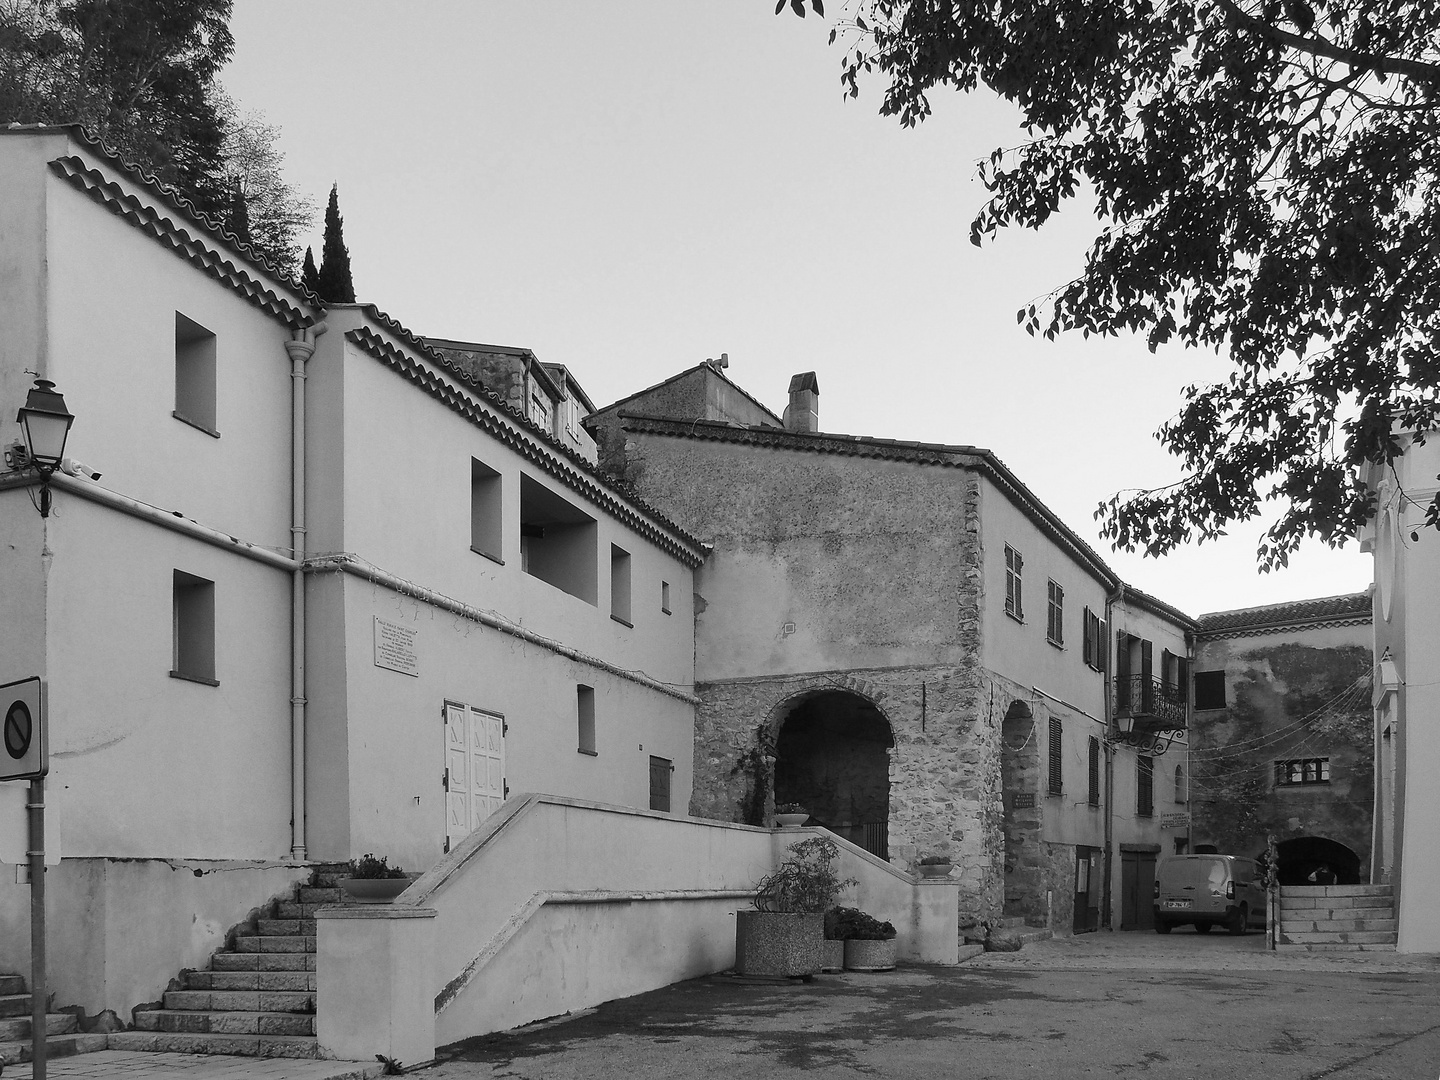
(500, 373)
(1284, 700)
(1026, 862)
(944, 767)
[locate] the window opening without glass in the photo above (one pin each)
(194, 375)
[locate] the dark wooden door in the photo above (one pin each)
(1088, 889)
(1137, 890)
(660, 770)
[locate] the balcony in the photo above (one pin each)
(1149, 704)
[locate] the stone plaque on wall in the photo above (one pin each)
(395, 647)
(1023, 800)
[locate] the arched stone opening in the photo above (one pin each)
(1302, 855)
(832, 755)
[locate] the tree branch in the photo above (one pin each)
(1318, 46)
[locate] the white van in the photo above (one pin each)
(1209, 890)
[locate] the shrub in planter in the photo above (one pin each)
(790, 813)
(869, 943)
(935, 866)
(374, 881)
(782, 937)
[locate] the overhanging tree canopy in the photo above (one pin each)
(1265, 174)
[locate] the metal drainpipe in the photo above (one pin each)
(1105, 920)
(300, 348)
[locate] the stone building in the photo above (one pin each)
(902, 638)
(1281, 741)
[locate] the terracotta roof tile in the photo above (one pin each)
(1351, 607)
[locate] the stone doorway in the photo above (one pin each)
(1302, 855)
(832, 755)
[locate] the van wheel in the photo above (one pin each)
(1237, 923)
(1203, 927)
(1162, 927)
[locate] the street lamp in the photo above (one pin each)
(45, 423)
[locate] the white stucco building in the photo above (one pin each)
(329, 596)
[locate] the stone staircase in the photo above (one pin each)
(62, 1031)
(258, 996)
(1336, 918)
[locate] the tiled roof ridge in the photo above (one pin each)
(941, 454)
(1356, 606)
(680, 375)
(514, 416)
(172, 197)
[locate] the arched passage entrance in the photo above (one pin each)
(1304, 854)
(832, 755)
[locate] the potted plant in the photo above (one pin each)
(869, 943)
(373, 881)
(782, 937)
(789, 814)
(933, 866)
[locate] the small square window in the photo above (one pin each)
(193, 644)
(486, 534)
(195, 375)
(665, 597)
(1299, 771)
(585, 712)
(1210, 689)
(620, 585)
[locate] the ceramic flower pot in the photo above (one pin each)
(933, 870)
(791, 821)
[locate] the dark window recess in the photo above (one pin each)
(1145, 787)
(1055, 617)
(1315, 770)
(585, 714)
(194, 374)
(557, 540)
(193, 649)
(1094, 793)
(620, 584)
(1210, 689)
(1057, 735)
(660, 772)
(485, 506)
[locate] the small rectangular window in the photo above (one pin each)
(660, 772)
(1298, 771)
(1055, 616)
(1145, 787)
(620, 585)
(193, 644)
(195, 375)
(1014, 600)
(1210, 689)
(665, 597)
(486, 534)
(1057, 734)
(585, 714)
(1094, 773)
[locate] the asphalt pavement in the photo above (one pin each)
(1098, 1005)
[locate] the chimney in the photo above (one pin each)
(803, 412)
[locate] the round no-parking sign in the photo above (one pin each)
(26, 755)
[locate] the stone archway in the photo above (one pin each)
(1301, 855)
(832, 755)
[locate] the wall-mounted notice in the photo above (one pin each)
(395, 647)
(1024, 800)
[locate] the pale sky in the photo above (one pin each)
(628, 188)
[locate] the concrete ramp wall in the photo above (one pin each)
(555, 905)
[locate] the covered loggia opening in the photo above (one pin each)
(1303, 855)
(832, 756)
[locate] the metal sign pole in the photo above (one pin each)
(39, 998)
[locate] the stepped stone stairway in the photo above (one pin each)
(1337, 918)
(258, 996)
(62, 1031)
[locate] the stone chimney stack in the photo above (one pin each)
(803, 412)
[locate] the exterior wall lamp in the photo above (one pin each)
(45, 423)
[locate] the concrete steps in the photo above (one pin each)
(1337, 918)
(257, 999)
(63, 1036)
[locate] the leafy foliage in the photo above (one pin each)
(789, 808)
(333, 282)
(852, 924)
(1265, 175)
(805, 882)
(276, 211)
(140, 74)
(369, 867)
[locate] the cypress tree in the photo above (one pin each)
(334, 283)
(309, 276)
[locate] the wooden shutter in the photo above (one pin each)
(1094, 771)
(1087, 648)
(1057, 778)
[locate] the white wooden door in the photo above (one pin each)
(474, 768)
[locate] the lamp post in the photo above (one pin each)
(45, 423)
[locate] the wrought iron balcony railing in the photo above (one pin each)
(1150, 701)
